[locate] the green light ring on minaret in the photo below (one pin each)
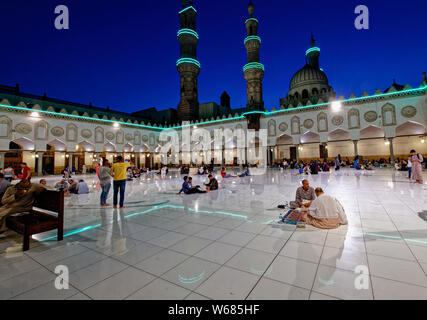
(188, 60)
(251, 19)
(314, 49)
(252, 38)
(188, 8)
(253, 65)
(188, 31)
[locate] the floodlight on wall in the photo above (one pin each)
(422, 139)
(386, 142)
(116, 125)
(336, 106)
(35, 114)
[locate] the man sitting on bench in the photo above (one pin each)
(18, 198)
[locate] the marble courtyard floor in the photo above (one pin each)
(227, 244)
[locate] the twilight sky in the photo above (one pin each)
(123, 53)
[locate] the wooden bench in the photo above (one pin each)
(38, 221)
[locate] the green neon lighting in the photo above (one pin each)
(188, 60)
(154, 208)
(314, 49)
(251, 19)
(78, 117)
(252, 38)
(188, 8)
(269, 113)
(253, 65)
(188, 31)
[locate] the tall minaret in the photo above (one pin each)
(188, 66)
(253, 70)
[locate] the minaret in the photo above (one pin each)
(253, 70)
(188, 66)
(313, 54)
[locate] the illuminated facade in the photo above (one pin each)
(312, 122)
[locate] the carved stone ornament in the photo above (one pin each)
(283, 126)
(145, 138)
(370, 116)
(409, 112)
(337, 120)
(308, 124)
(110, 136)
(23, 128)
(86, 133)
(129, 137)
(57, 131)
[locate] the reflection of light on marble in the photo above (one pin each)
(326, 282)
(191, 280)
(390, 184)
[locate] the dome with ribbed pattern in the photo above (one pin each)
(308, 75)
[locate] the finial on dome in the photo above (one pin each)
(251, 9)
(312, 41)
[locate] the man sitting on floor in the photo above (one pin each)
(18, 198)
(325, 212)
(303, 196)
(212, 185)
(189, 189)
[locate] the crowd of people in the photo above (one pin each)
(311, 205)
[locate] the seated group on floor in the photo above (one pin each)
(188, 188)
(70, 186)
(315, 208)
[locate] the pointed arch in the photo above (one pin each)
(58, 145)
(338, 135)
(410, 128)
(310, 137)
(372, 132)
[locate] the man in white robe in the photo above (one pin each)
(325, 212)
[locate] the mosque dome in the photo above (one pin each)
(308, 76)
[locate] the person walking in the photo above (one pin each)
(105, 182)
(8, 173)
(338, 162)
(409, 168)
(416, 160)
(119, 172)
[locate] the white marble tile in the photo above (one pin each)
(191, 273)
(218, 252)
(159, 231)
(252, 261)
(160, 290)
(397, 269)
(268, 289)
(302, 251)
(385, 289)
(267, 244)
(339, 284)
(120, 285)
(228, 284)
(295, 272)
(162, 262)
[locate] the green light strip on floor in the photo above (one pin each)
(155, 208)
